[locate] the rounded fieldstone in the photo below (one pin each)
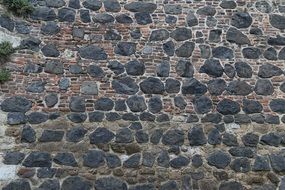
(155, 104)
(77, 117)
(172, 9)
(251, 53)
(241, 165)
(38, 159)
(66, 14)
(241, 20)
(211, 21)
(96, 116)
(191, 19)
(277, 161)
(143, 18)
(163, 159)
(251, 106)
(173, 137)
(36, 87)
(135, 68)
(54, 67)
(75, 134)
(193, 86)
(243, 70)
(214, 137)
(93, 5)
(37, 117)
(77, 104)
(197, 160)
(28, 134)
(93, 52)
(110, 183)
(216, 86)
(113, 161)
(94, 158)
(271, 139)
(278, 40)
(101, 136)
(133, 161)
(16, 104)
(112, 35)
(50, 184)
(103, 18)
(159, 35)
(43, 13)
(169, 19)
(7, 22)
(163, 69)
(104, 104)
(46, 172)
(242, 152)
(184, 68)
(156, 136)
(197, 137)
(268, 70)
(169, 185)
(30, 43)
(51, 136)
(229, 71)
(169, 48)
(238, 87)
(124, 19)
(64, 83)
(236, 36)
(219, 159)
(185, 50)
(250, 139)
(140, 6)
(263, 87)
(22, 184)
(136, 103)
(230, 185)
(124, 135)
(50, 28)
(74, 4)
(277, 21)
(230, 139)
(261, 163)
(207, 10)
(13, 158)
(180, 102)
(141, 136)
(76, 183)
(146, 116)
(255, 31)
(212, 118)
(212, 67)
(112, 6)
(66, 159)
(228, 107)
(270, 54)
(50, 50)
(125, 85)
(205, 51)
(16, 118)
(281, 54)
(222, 52)
(228, 4)
(215, 35)
(202, 104)
(179, 162)
(172, 85)
(181, 34)
(84, 16)
(152, 85)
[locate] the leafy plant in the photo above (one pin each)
(4, 75)
(19, 7)
(6, 49)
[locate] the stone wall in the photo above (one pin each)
(142, 95)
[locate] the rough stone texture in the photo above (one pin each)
(113, 94)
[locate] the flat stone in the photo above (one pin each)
(241, 20)
(271, 139)
(46, 172)
(92, 52)
(228, 4)
(112, 35)
(36, 87)
(54, 67)
(179, 162)
(16, 104)
(110, 183)
(276, 41)
(38, 159)
(16, 118)
(212, 118)
(242, 152)
(156, 136)
(77, 117)
(37, 117)
(277, 105)
(101, 136)
(89, 88)
(124, 136)
(233, 185)
(169, 185)
(212, 67)
(228, 107)
(124, 19)
(104, 104)
(13, 158)
(31, 43)
(78, 33)
(219, 159)
(206, 11)
(76, 183)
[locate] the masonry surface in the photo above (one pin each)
(144, 95)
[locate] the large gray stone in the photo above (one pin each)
(16, 104)
(92, 52)
(110, 183)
